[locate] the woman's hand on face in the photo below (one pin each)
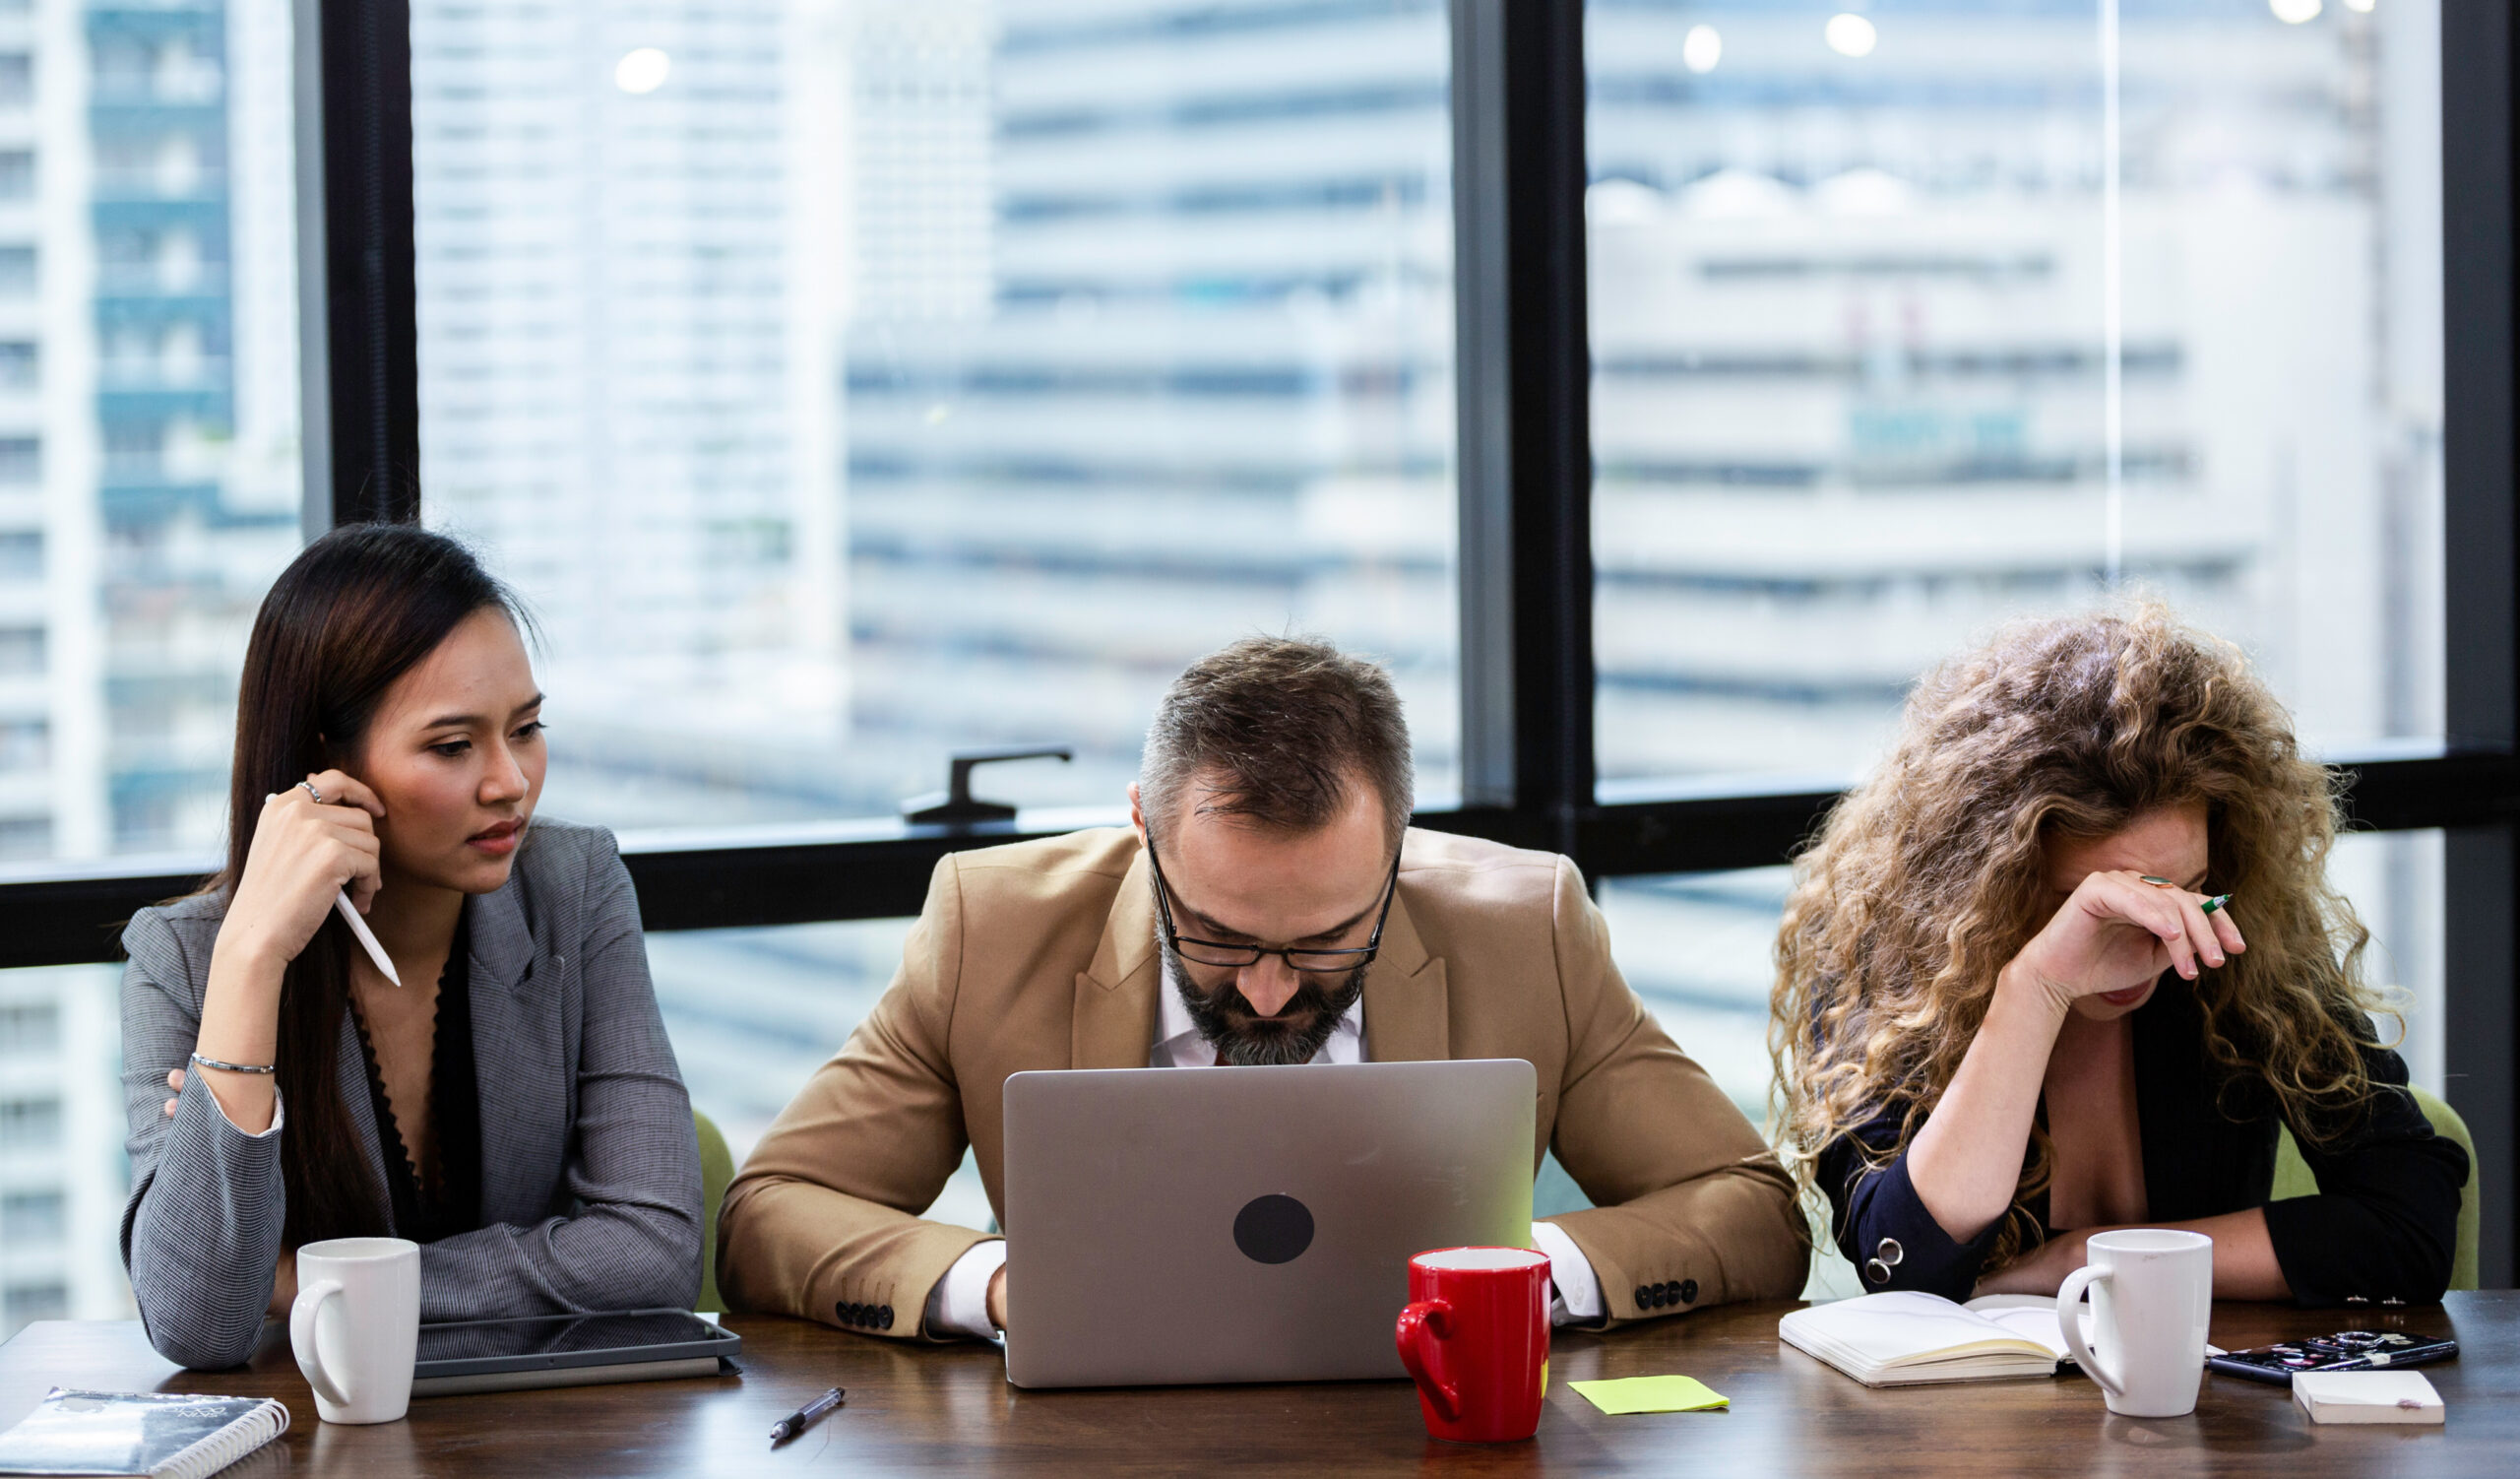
(2116, 933)
(303, 854)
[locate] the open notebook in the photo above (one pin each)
(1906, 1338)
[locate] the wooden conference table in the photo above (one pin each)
(949, 1410)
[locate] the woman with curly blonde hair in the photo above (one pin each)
(2015, 1003)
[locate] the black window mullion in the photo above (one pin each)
(1550, 418)
(363, 431)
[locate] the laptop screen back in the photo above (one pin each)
(1173, 1226)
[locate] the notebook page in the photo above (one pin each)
(2030, 1317)
(1908, 1326)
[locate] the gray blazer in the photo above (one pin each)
(589, 1170)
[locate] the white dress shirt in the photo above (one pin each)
(959, 1304)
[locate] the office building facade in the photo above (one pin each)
(1188, 375)
(148, 491)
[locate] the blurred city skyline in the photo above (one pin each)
(845, 382)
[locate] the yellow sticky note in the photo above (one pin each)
(1651, 1394)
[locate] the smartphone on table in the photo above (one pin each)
(2346, 1350)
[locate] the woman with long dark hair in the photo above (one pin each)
(513, 1105)
(2071, 960)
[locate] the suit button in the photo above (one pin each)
(1645, 1296)
(841, 1310)
(884, 1317)
(1671, 1295)
(1877, 1272)
(1689, 1291)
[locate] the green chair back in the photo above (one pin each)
(717, 1169)
(2292, 1177)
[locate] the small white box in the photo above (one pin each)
(2367, 1396)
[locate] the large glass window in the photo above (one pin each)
(149, 485)
(846, 384)
(753, 1012)
(149, 406)
(162, 442)
(1913, 316)
(62, 1177)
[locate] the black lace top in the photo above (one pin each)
(444, 1197)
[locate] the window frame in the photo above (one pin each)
(1525, 559)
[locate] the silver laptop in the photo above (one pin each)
(1188, 1225)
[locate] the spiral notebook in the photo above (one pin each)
(118, 1434)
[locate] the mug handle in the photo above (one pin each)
(1422, 1326)
(301, 1338)
(2069, 1316)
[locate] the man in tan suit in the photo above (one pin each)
(1298, 920)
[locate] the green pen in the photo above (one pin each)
(2208, 906)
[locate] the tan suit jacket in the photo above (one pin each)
(1043, 955)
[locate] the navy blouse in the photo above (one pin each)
(2382, 1228)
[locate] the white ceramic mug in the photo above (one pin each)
(2152, 1293)
(357, 1327)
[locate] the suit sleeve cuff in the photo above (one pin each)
(1895, 1244)
(958, 1304)
(1576, 1298)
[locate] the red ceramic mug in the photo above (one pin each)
(1475, 1338)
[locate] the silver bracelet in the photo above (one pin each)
(211, 1063)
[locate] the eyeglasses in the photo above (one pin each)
(1315, 962)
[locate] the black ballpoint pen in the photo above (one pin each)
(795, 1423)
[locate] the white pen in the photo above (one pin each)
(349, 911)
(358, 927)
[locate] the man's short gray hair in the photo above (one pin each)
(1274, 730)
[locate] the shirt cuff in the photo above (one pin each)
(1575, 1289)
(958, 1304)
(279, 1111)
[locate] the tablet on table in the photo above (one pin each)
(568, 1350)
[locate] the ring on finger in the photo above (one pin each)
(309, 788)
(2156, 882)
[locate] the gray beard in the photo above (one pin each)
(1255, 1041)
